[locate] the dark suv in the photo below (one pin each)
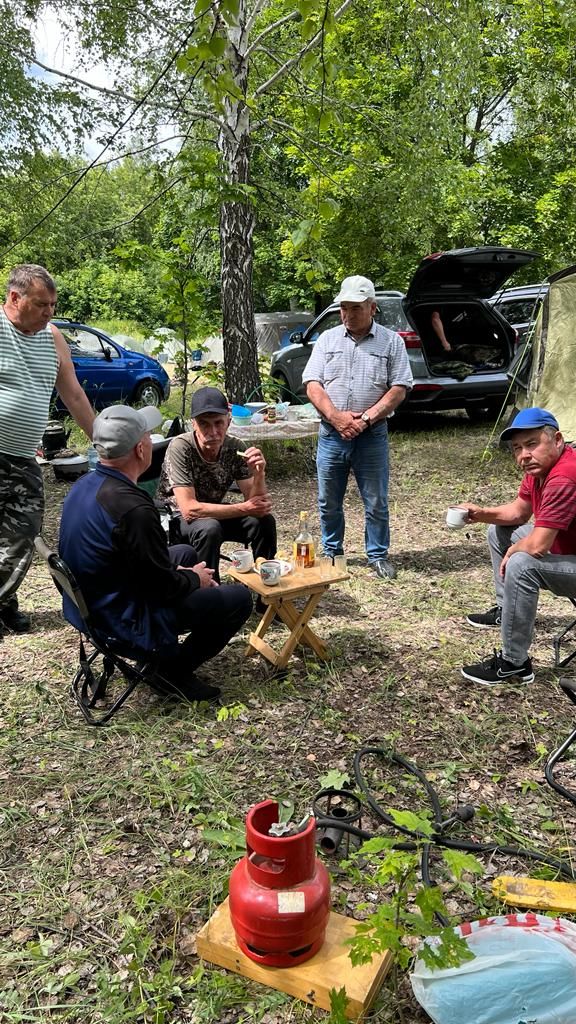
(456, 285)
(520, 306)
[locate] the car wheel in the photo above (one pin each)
(484, 413)
(147, 393)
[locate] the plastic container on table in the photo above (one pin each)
(240, 415)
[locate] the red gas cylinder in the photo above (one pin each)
(279, 892)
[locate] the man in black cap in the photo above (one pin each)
(198, 469)
(528, 558)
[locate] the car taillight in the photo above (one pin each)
(410, 339)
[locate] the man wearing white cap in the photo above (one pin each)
(356, 377)
(528, 558)
(137, 589)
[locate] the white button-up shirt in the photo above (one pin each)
(356, 374)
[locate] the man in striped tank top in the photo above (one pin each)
(34, 359)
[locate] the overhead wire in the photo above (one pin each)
(86, 170)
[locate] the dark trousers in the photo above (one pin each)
(207, 536)
(210, 616)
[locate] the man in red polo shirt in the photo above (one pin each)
(528, 557)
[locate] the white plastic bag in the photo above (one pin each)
(524, 972)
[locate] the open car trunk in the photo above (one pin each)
(454, 285)
(480, 342)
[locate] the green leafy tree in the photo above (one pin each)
(214, 67)
(308, 141)
(425, 146)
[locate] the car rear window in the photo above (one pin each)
(518, 311)
(391, 314)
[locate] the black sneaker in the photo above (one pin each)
(486, 620)
(496, 669)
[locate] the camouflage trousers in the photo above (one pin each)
(21, 510)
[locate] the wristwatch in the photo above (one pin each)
(366, 419)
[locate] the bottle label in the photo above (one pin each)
(304, 555)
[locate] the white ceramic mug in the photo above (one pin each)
(242, 560)
(457, 517)
(270, 572)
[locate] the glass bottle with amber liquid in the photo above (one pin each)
(304, 545)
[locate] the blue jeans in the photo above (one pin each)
(367, 457)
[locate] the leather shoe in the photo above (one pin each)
(15, 620)
(193, 689)
(384, 569)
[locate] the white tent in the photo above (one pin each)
(273, 330)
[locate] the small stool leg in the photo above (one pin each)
(261, 629)
(297, 622)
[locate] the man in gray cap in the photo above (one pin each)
(198, 469)
(137, 589)
(357, 375)
(527, 558)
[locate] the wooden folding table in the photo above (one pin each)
(309, 584)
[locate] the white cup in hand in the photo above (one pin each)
(457, 517)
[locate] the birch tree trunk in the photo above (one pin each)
(236, 229)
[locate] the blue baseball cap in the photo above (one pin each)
(530, 419)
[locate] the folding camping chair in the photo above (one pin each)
(91, 680)
(560, 638)
(568, 687)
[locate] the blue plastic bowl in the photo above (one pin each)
(240, 411)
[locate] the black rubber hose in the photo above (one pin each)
(392, 757)
(438, 838)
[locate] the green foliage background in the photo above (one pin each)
(410, 128)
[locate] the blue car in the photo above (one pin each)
(109, 373)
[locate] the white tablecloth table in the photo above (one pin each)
(281, 430)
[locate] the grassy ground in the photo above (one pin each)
(117, 844)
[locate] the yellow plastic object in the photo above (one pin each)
(536, 894)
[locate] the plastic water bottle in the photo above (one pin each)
(93, 459)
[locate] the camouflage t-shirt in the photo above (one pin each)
(185, 467)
